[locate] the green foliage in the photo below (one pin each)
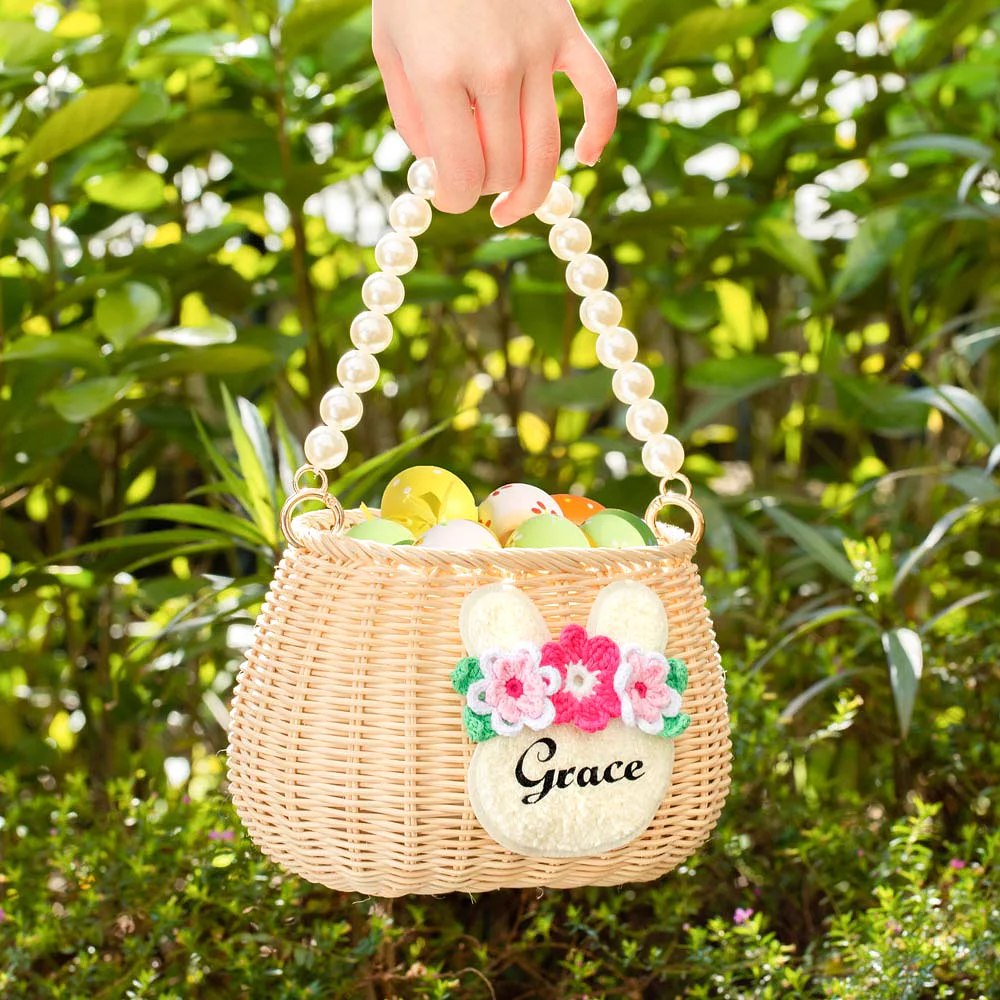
(800, 213)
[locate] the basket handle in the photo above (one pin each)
(570, 239)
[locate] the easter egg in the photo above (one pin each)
(637, 522)
(606, 530)
(577, 509)
(548, 531)
(424, 496)
(458, 535)
(377, 529)
(510, 506)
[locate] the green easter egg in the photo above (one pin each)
(379, 530)
(648, 538)
(548, 531)
(608, 530)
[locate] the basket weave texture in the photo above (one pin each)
(348, 758)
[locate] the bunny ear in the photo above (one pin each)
(631, 614)
(500, 617)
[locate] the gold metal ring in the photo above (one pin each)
(683, 501)
(677, 477)
(303, 493)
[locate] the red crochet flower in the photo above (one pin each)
(587, 666)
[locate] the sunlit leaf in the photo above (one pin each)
(905, 652)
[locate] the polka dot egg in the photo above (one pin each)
(508, 507)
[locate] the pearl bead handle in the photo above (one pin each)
(570, 239)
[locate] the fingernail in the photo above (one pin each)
(498, 203)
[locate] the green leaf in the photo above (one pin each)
(813, 542)
(259, 484)
(127, 190)
(958, 145)
(815, 620)
(780, 239)
(964, 408)
(231, 525)
(24, 46)
(701, 32)
(741, 372)
(256, 431)
(801, 700)
(905, 653)
(934, 537)
(122, 313)
(74, 124)
(310, 20)
(211, 130)
(880, 236)
(65, 348)
(972, 346)
(465, 673)
(85, 400)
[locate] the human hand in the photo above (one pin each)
(469, 83)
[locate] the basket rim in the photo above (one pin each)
(314, 533)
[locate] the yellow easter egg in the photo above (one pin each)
(424, 496)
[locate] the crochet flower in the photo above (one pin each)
(515, 690)
(586, 666)
(649, 687)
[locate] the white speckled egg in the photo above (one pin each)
(458, 535)
(506, 509)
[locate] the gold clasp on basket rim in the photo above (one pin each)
(302, 493)
(671, 498)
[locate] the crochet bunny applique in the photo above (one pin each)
(574, 734)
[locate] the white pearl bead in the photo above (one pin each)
(371, 332)
(601, 312)
(325, 448)
(422, 177)
(396, 253)
(663, 455)
(632, 383)
(358, 371)
(341, 409)
(569, 238)
(409, 215)
(617, 347)
(558, 204)
(646, 419)
(586, 274)
(382, 292)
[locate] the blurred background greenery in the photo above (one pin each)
(801, 213)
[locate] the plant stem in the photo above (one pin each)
(305, 294)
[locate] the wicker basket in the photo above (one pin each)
(347, 759)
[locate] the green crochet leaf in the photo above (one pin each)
(675, 726)
(677, 678)
(467, 672)
(479, 727)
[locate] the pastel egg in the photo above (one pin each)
(509, 507)
(576, 509)
(548, 531)
(424, 496)
(459, 534)
(377, 529)
(637, 522)
(606, 530)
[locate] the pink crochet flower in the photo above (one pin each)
(641, 684)
(515, 690)
(587, 666)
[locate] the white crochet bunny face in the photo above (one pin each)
(576, 733)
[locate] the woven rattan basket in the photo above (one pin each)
(347, 760)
